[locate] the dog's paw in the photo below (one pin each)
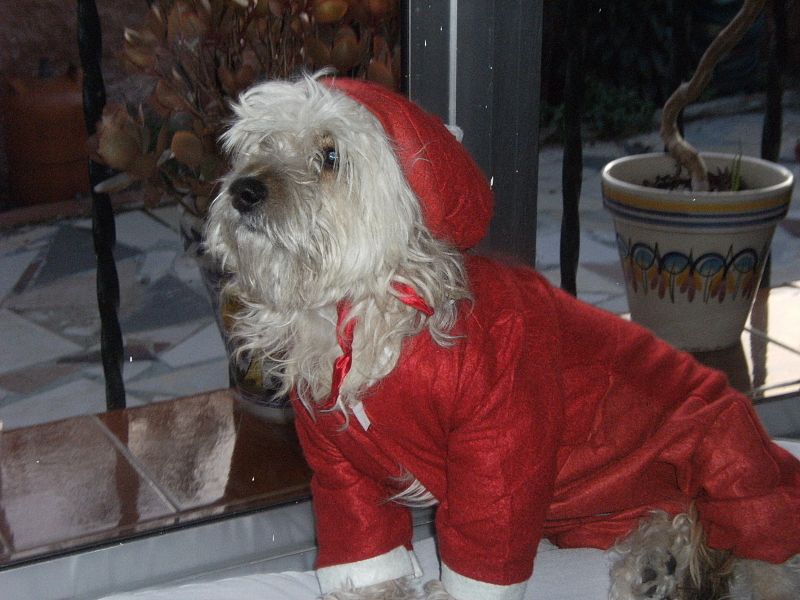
(653, 561)
(434, 590)
(650, 576)
(404, 588)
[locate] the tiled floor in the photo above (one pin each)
(140, 470)
(766, 362)
(49, 323)
(162, 464)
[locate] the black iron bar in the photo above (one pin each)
(103, 228)
(680, 58)
(773, 114)
(572, 168)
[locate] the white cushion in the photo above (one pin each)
(559, 574)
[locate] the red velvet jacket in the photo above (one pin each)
(546, 418)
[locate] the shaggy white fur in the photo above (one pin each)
(330, 231)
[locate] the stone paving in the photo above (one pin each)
(49, 322)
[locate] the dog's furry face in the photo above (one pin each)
(316, 210)
(326, 211)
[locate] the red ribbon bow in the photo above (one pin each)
(409, 296)
(344, 336)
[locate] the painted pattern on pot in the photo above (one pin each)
(693, 260)
(710, 276)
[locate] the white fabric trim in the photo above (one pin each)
(361, 414)
(464, 588)
(384, 567)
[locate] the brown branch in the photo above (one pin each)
(681, 150)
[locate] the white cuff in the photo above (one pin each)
(384, 567)
(465, 588)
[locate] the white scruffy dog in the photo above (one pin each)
(343, 270)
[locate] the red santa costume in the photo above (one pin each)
(547, 418)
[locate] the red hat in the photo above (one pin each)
(455, 197)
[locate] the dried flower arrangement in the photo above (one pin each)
(202, 53)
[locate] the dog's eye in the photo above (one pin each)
(330, 158)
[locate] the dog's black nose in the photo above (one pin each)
(247, 192)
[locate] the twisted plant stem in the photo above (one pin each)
(681, 150)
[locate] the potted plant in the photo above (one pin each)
(694, 230)
(199, 55)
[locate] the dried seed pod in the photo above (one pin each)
(380, 73)
(380, 48)
(346, 51)
(187, 148)
(329, 11)
(277, 7)
(318, 52)
(142, 167)
(120, 140)
(227, 79)
(379, 8)
(261, 8)
(184, 23)
(139, 51)
(166, 97)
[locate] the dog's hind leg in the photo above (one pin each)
(652, 560)
(665, 559)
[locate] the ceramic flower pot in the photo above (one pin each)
(693, 260)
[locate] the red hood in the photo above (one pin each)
(455, 197)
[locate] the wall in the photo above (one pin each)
(31, 30)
